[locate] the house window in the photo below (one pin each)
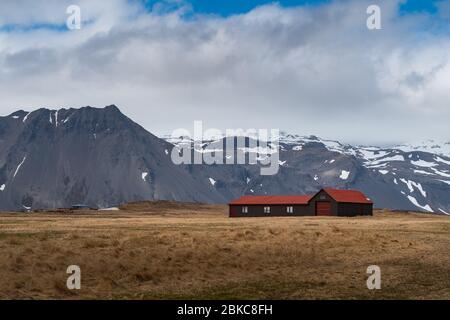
(290, 209)
(266, 209)
(244, 209)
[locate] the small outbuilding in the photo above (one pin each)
(326, 202)
(81, 207)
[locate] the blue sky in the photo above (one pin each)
(229, 7)
(225, 8)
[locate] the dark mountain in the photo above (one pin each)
(101, 158)
(92, 156)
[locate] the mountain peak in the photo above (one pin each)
(112, 107)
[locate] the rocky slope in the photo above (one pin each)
(101, 158)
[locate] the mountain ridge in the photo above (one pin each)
(100, 157)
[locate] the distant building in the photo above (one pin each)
(326, 202)
(80, 207)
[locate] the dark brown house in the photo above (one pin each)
(326, 202)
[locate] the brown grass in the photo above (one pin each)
(167, 250)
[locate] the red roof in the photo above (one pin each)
(348, 196)
(262, 200)
(353, 196)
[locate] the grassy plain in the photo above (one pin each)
(184, 251)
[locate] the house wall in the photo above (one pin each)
(275, 210)
(355, 209)
(322, 196)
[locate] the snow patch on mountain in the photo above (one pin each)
(439, 159)
(344, 174)
(431, 146)
(422, 163)
(412, 184)
(26, 117)
(440, 173)
(18, 167)
(387, 159)
(414, 202)
(423, 172)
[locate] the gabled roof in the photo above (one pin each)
(345, 196)
(262, 200)
(348, 196)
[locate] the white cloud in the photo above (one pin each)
(311, 70)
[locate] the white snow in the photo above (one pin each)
(166, 151)
(423, 192)
(281, 162)
(443, 211)
(251, 190)
(412, 184)
(397, 157)
(28, 208)
(344, 174)
(212, 181)
(297, 148)
(248, 180)
(332, 160)
(50, 118)
(110, 209)
(423, 163)
(414, 202)
(433, 146)
(144, 176)
(372, 153)
(447, 182)
(26, 116)
(383, 172)
(382, 165)
(442, 160)
(316, 178)
(422, 172)
(18, 167)
(15, 117)
(395, 181)
(2, 187)
(260, 150)
(440, 173)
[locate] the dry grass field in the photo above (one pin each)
(185, 251)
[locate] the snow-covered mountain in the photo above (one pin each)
(398, 177)
(99, 157)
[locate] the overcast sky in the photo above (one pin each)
(310, 68)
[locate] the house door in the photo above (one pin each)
(323, 208)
